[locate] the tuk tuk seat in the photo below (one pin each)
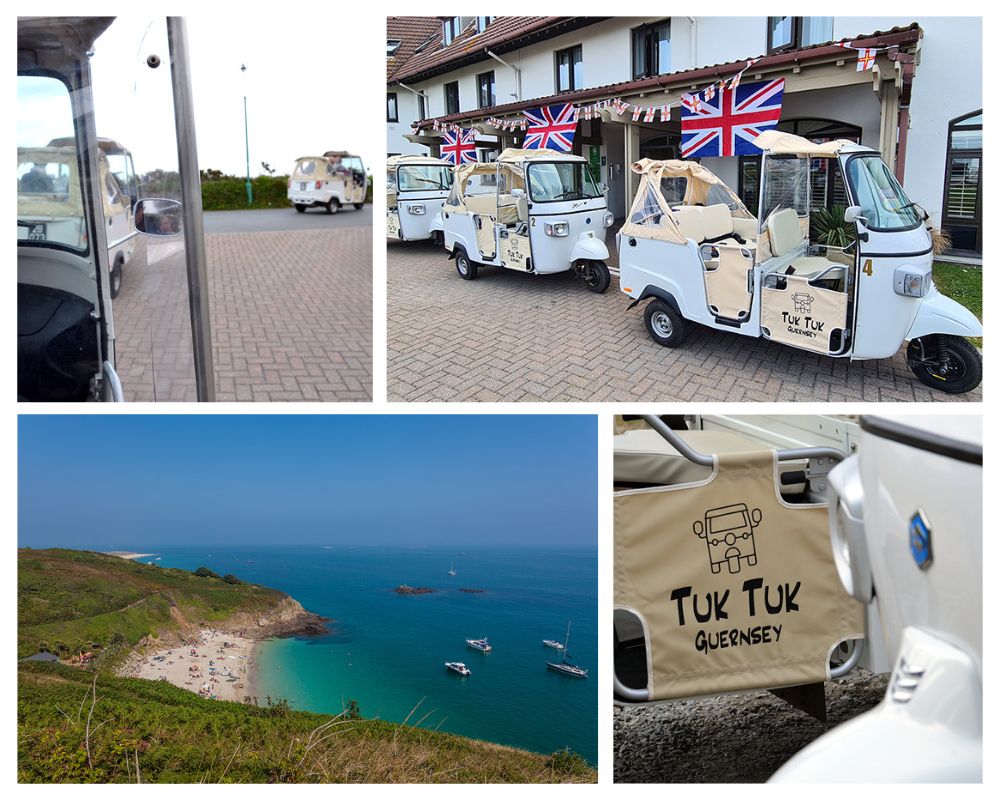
(712, 224)
(786, 236)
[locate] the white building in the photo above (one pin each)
(920, 105)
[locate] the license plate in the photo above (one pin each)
(303, 186)
(38, 232)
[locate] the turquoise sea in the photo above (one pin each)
(387, 651)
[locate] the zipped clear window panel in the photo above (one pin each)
(673, 190)
(50, 209)
(568, 180)
(884, 203)
(425, 177)
(785, 185)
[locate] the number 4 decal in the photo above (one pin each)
(867, 268)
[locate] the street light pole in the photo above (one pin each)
(246, 134)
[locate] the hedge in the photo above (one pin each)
(230, 194)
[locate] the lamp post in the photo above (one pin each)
(246, 135)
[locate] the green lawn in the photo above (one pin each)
(963, 284)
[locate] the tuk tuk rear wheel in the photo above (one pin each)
(333, 206)
(665, 325)
(945, 362)
(116, 279)
(467, 269)
(597, 276)
(300, 208)
(359, 206)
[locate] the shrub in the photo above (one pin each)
(205, 572)
(230, 578)
(828, 227)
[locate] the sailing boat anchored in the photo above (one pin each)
(565, 666)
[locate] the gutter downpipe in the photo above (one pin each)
(694, 42)
(517, 70)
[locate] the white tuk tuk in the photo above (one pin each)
(693, 249)
(75, 216)
(330, 181)
(536, 211)
(416, 188)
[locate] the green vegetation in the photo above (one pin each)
(221, 192)
(963, 284)
(828, 227)
(155, 732)
(70, 600)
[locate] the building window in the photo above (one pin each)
(482, 23)
(421, 106)
(451, 98)
(963, 192)
(569, 69)
(651, 50)
(392, 110)
(792, 33)
(487, 89)
(391, 46)
(452, 27)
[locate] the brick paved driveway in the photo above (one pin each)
(510, 336)
(291, 318)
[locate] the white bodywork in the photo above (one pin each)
(514, 234)
(876, 316)
(413, 212)
(929, 726)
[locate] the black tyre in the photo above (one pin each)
(949, 363)
(116, 279)
(467, 268)
(665, 325)
(597, 276)
(359, 206)
(333, 206)
(300, 208)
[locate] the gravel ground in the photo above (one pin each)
(741, 738)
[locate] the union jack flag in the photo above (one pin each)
(728, 125)
(459, 147)
(550, 127)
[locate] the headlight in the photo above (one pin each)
(910, 281)
(557, 229)
(847, 529)
(609, 219)
(417, 208)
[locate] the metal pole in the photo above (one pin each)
(246, 136)
(194, 251)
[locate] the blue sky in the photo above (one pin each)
(134, 482)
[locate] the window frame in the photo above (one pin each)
(492, 100)
(645, 30)
(571, 50)
(796, 42)
(392, 97)
(951, 152)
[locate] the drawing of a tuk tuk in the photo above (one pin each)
(728, 532)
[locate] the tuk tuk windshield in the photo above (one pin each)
(884, 203)
(49, 195)
(560, 180)
(426, 177)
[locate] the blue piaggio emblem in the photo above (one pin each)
(920, 540)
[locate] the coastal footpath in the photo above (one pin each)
(94, 706)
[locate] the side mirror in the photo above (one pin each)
(517, 193)
(699, 528)
(755, 517)
(157, 216)
(853, 214)
(604, 188)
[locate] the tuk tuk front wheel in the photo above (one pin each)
(359, 206)
(466, 269)
(116, 279)
(596, 276)
(948, 363)
(665, 325)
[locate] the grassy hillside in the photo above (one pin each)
(176, 736)
(69, 599)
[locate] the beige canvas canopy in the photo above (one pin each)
(651, 216)
(67, 202)
(515, 155)
(779, 143)
(397, 161)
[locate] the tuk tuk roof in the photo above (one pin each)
(340, 154)
(53, 37)
(514, 155)
(675, 168)
(788, 144)
(109, 146)
(398, 161)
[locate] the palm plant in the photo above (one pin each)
(828, 227)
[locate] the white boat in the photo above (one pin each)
(553, 644)
(459, 667)
(451, 569)
(566, 667)
(482, 645)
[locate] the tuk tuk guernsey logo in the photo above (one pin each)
(728, 532)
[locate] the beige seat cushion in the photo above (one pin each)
(482, 204)
(784, 232)
(716, 221)
(690, 224)
(807, 266)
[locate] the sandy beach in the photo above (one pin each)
(214, 664)
(129, 556)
